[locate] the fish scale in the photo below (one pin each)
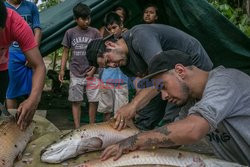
(13, 141)
(166, 157)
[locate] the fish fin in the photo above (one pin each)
(92, 144)
(96, 142)
(19, 156)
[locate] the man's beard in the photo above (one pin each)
(124, 60)
(185, 92)
(122, 55)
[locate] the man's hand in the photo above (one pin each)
(120, 148)
(25, 113)
(123, 115)
(113, 150)
(128, 111)
(61, 75)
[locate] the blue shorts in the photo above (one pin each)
(20, 76)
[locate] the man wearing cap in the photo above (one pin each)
(221, 112)
(134, 53)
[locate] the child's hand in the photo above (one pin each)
(61, 75)
(90, 72)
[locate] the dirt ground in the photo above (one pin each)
(55, 102)
(58, 109)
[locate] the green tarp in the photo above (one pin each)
(225, 43)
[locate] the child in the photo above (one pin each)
(150, 14)
(114, 24)
(77, 39)
(120, 11)
(114, 94)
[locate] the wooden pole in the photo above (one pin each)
(54, 60)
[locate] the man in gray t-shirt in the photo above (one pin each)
(222, 112)
(225, 104)
(133, 53)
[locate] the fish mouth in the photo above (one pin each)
(46, 155)
(43, 151)
(46, 148)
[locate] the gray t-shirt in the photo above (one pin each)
(77, 40)
(147, 40)
(225, 104)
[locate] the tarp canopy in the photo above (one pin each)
(226, 44)
(58, 19)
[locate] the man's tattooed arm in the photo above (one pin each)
(185, 131)
(149, 139)
(129, 144)
(161, 139)
(157, 138)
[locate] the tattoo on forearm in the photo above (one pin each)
(165, 142)
(129, 143)
(163, 130)
(156, 138)
(161, 142)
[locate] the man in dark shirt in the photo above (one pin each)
(133, 54)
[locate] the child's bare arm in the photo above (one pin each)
(63, 63)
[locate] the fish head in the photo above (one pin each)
(69, 147)
(60, 151)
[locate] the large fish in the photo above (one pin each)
(12, 140)
(162, 157)
(88, 138)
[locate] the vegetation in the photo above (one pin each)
(235, 12)
(48, 3)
